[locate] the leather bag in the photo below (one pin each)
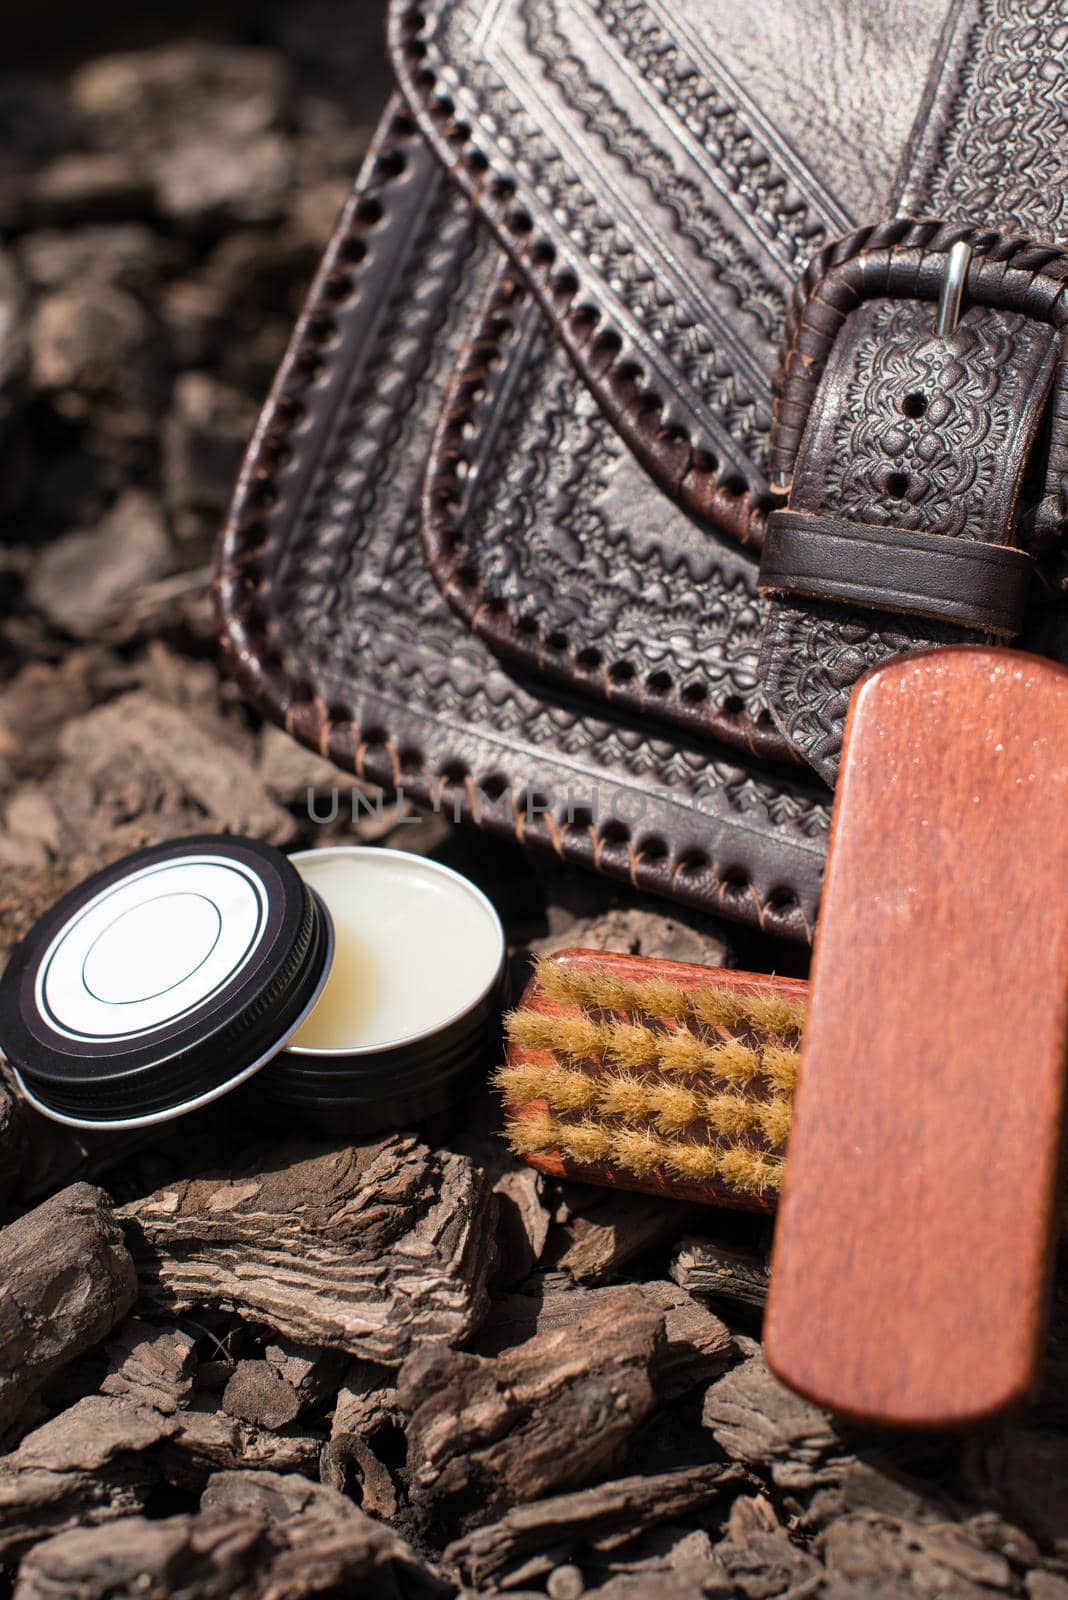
(632, 416)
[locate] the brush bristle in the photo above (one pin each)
(588, 1141)
(620, 1095)
(674, 1107)
(779, 1065)
(715, 1005)
(631, 1046)
(642, 1067)
(577, 1038)
(637, 1150)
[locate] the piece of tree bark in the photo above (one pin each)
(99, 1460)
(258, 1395)
(605, 1517)
(66, 1279)
(313, 1374)
(375, 1249)
(90, 1464)
(153, 1365)
(613, 1228)
(349, 1465)
(367, 1402)
(873, 1554)
(725, 1275)
(254, 1538)
(756, 1419)
(696, 1347)
(205, 1442)
(522, 1216)
(548, 1413)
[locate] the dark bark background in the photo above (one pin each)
(234, 1364)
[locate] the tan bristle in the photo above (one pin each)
(717, 1008)
(696, 1162)
(606, 992)
(775, 1121)
(658, 997)
(632, 1046)
(537, 1131)
(685, 1052)
(779, 1064)
(735, 1061)
(567, 985)
(575, 1037)
(674, 1107)
(521, 1083)
(623, 1096)
(750, 1170)
(729, 1114)
(637, 1150)
(568, 1090)
(774, 1014)
(682, 1051)
(586, 1141)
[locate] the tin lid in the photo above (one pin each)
(163, 981)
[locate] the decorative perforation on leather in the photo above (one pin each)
(547, 538)
(331, 621)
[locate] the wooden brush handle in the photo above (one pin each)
(628, 985)
(916, 1226)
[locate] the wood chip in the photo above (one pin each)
(755, 1419)
(90, 1464)
(376, 1249)
(154, 1365)
(254, 1537)
(605, 1517)
(612, 1229)
(731, 1277)
(549, 1413)
(696, 1346)
(66, 1279)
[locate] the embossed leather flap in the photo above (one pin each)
(661, 173)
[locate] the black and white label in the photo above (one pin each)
(150, 949)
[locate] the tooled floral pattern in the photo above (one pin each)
(812, 661)
(1002, 158)
(949, 461)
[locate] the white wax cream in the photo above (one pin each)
(416, 946)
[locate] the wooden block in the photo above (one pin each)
(916, 1225)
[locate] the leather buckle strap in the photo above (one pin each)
(919, 450)
(826, 557)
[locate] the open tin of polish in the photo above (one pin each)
(413, 1001)
(182, 973)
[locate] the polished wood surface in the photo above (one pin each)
(916, 1226)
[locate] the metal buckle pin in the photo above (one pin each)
(949, 300)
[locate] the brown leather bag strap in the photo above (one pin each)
(827, 557)
(925, 436)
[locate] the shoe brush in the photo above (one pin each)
(654, 1075)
